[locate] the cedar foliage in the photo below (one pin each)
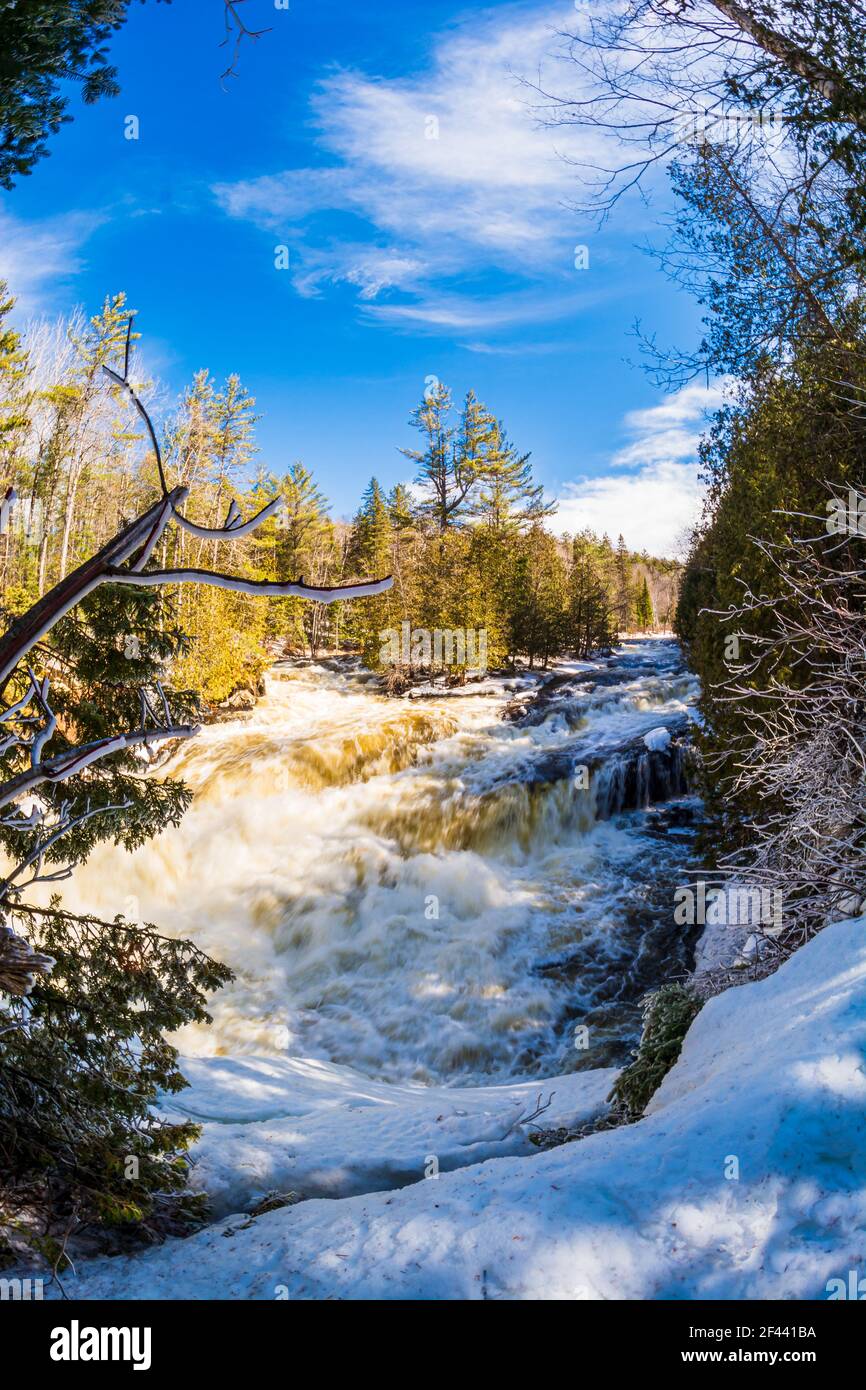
(44, 43)
(83, 1054)
(83, 1060)
(667, 1016)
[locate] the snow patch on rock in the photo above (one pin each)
(658, 740)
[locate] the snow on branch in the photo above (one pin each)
(801, 757)
(59, 821)
(29, 723)
(123, 558)
(62, 823)
(270, 588)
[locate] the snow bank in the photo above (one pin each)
(326, 1131)
(771, 1075)
(658, 740)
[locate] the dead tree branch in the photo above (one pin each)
(29, 723)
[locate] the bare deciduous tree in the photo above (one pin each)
(757, 107)
(802, 754)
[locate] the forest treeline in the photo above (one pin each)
(464, 538)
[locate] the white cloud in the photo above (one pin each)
(489, 190)
(652, 509)
(467, 313)
(35, 256)
(670, 430)
(654, 496)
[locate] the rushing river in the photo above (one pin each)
(425, 888)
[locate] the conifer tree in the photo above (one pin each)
(13, 375)
(212, 442)
(590, 612)
(45, 44)
(624, 598)
(508, 499)
(371, 552)
(644, 606)
(538, 598)
(400, 508)
(448, 464)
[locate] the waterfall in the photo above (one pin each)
(394, 881)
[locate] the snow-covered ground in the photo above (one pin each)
(747, 1179)
(326, 1131)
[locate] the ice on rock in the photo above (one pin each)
(658, 740)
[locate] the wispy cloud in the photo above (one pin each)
(37, 256)
(653, 496)
(671, 429)
(436, 176)
(471, 313)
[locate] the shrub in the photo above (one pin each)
(667, 1016)
(83, 1058)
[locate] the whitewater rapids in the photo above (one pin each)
(398, 888)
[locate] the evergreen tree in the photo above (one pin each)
(447, 467)
(44, 44)
(590, 617)
(13, 375)
(84, 1057)
(624, 599)
(644, 607)
(210, 444)
(508, 499)
(538, 599)
(373, 532)
(400, 508)
(370, 553)
(233, 422)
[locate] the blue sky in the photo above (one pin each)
(394, 151)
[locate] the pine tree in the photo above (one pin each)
(233, 422)
(400, 508)
(644, 607)
(211, 443)
(447, 467)
(508, 499)
(624, 592)
(370, 553)
(590, 614)
(190, 438)
(45, 44)
(538, 598)
(373, 532)
(13, 374)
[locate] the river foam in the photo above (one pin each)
(399, 888)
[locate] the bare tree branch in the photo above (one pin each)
(29, 724)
